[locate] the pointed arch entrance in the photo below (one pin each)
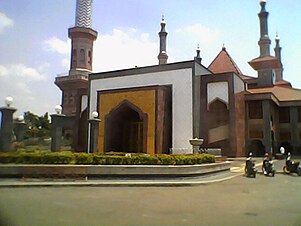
(126, 129)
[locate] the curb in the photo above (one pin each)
(129, 173)
(19, 184)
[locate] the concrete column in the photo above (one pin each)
(267, 140)
(6, 132)
(93, 138)
(20, 129)
(56, 131)
(294, 128)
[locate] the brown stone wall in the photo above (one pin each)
(240, 123)
(163, 120)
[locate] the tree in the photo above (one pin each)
(37, 126)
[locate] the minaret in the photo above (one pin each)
(82, 36)
(74, 86)
(277, 49)
(264, 41)
(162, 57)
(265, 65)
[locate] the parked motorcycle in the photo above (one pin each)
(268, 168)
(292, 166)
(250, 168)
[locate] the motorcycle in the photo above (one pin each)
(292, 167)
(250, 169)
(268, 168)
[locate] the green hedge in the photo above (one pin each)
(66, 157)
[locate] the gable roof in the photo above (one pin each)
(224, 63)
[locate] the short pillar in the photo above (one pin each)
(20, 129)
(6, 132)
(93, 139)
(56, 131)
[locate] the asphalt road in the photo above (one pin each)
(239, 201)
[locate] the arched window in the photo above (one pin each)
(90, 58)
(74, 58)
(82, 57)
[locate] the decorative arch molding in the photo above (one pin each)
(112, 117)
(217, 99)
(218, 90)
(123, 104)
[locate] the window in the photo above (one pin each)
(82, 57)
(255, 110)
(284, 115)
(74, 58)
(89, 58)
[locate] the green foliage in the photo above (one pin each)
(67, 157)
(37, 126)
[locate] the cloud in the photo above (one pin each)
(22, 72)
(5, 22)
(124, 48)
(57, 45)
(27, 85)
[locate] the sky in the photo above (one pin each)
(34, 44)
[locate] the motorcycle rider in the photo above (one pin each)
(288, 160)
(250, 166)
(265, 163)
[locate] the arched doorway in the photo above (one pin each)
(257, 148)
(125, 129)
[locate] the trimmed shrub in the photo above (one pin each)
(83, 158)
(67, 157)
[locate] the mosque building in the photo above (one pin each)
(159, 108)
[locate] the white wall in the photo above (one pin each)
(181, 81)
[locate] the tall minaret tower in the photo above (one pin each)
(264, 41)
(265, 65)
(277, 49)
(75, 85)
(162, 57)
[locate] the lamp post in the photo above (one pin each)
(93, 138)
(6, 132)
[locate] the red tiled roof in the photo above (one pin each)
(283, 83)
(281, 93)
(224, 63)
(265, 62)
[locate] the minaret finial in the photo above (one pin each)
(198, 53)
(162, 35)
(83, 16)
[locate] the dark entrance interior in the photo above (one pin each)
(257, 148)
(125, 129)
